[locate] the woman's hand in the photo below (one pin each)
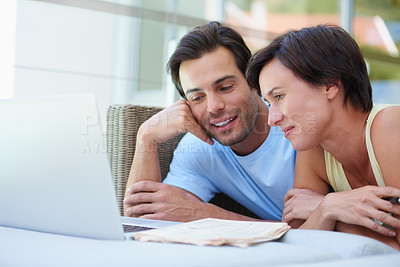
(299, 203)
(360, 206)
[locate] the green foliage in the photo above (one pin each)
(380, 70)
(387, 9)
(303, 6)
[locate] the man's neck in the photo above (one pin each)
(257, 135)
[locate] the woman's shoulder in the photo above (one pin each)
(385, 138)
(387, 119)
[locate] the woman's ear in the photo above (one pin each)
(331, 90)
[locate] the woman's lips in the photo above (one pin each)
(288, 131)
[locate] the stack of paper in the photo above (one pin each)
(217, 232)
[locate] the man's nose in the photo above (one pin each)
(215, 104)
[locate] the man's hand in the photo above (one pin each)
(300, 203)
(163, 126)
(170, 122)
(152, 200)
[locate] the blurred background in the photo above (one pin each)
(118, 49)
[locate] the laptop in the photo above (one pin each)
(54, 171)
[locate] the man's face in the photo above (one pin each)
(219, 96)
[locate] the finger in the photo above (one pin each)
(144, 186)
(386, 191)
(286, 216)
(386, 218)
(288, 201)
(194, 127)
(289, 194)
(377, 227)
(140, 210)
(139, 198)
(395, 209)
(191, 125)
(156, 216)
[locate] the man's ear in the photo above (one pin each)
(332, 90)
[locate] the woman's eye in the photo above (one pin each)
(278, 97)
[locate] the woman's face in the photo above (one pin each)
(300, 110)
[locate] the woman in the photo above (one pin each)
(316, 82)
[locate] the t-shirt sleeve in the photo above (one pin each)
(190, 168)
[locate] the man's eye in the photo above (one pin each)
(197, 98)
(226, 88)
(278, 97)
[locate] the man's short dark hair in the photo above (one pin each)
(320, 55)
(206, 39)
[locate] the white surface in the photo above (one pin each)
(27, 248)
(391, 260)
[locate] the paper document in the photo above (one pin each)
(217, 232)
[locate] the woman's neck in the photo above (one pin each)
(345, 140)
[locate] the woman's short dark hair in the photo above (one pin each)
(205, 39)
(320, 55)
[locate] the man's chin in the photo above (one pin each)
(229, 141)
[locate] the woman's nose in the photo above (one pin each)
(274, 116)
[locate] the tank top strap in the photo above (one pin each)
(334, 169)
(336, 176)
(371, 154)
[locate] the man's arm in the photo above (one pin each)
(161, 127)
(146, 196)
(152, 200)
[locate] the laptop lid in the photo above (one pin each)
(55, 175)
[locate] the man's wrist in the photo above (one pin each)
(145, 142)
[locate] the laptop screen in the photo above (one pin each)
(55, 175)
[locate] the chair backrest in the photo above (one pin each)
(123, 122)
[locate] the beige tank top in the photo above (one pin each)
(334, 170)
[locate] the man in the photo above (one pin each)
(229, 148)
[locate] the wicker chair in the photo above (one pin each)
(123, 122)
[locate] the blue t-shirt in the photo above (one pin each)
(258, 181)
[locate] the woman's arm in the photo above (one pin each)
(309, 187)
(353, 210)
(385, 137)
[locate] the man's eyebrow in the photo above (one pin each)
(193, 90)
(223, 79)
